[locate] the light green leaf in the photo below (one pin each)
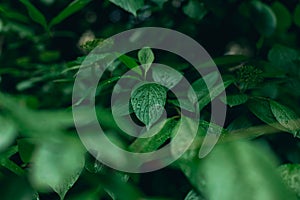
(35, 14)
(297, 15)
(290, 174)
(283, 16)
(286, 117)
(202, 85)
(72, 8)
(148, 101)
(241, 170)
(166, 76)
(146, 58)
(235, 100)
(57, 164)
(131, 6)
(8, 132)
(195, 9)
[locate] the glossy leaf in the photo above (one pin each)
(35, 14)
(131, 6)
(148, 101)
(286, 117)
(262, 110)
(72, 8)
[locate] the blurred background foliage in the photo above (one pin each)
(255, 45)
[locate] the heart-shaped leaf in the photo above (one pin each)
(148, 101)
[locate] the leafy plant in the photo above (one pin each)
(253, 43)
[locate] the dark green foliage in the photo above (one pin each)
(255, 45)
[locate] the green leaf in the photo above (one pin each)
(283, 16)
(9, 164)
(146, 58)
(262, 17)
(201, 86)
(185, 104)
(240, 170)
(35, 14)
(131, 6)
(286, 117)
(160, 3)
(235, 100)
(213, 93)
(297, 15)
(159, 134)
(281, 55)
(290, 174)
(261, 109)
(72, 8)
(10, 14)
(166, 76)
(26, 148)
(130, 63)
(57, 164)
(8, 132)
(195, 10)
(186, 133)
(148, 101)
(230, 60)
